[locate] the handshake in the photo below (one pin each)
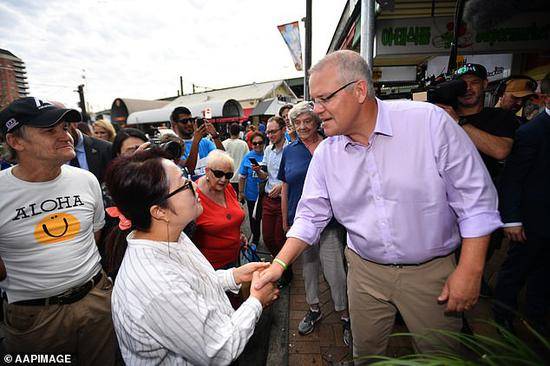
(263, 277)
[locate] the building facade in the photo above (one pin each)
(13, 78)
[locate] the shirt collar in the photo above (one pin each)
(382, 126)
(284, 145)
(79, 146)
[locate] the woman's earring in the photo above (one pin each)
(207, 179)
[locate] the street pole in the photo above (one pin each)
(82, 102)
(367, 31)
(181, 85)
(307, 49)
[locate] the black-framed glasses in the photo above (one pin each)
(271, 132)
(220, 173)
(186, 120)
(324, 100)
(187, 185)
(257, 143)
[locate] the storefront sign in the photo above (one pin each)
(394, 73)
(528, 31)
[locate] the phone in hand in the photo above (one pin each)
(200, 122)
(253, 161)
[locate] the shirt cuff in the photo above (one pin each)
(304, 230)
(479, 225)
(227, 280)
(254, 304)
(512, 224)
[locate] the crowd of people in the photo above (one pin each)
(114, 243)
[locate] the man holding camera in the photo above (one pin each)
(193, 132)
(490, 129)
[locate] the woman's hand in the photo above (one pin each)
(244, 273)
(244, 241)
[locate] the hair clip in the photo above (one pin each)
(124, 223)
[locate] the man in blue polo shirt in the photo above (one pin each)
(197, 147)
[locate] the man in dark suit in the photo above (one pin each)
(91, 154)
(525, 211)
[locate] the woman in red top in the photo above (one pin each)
(218, 232)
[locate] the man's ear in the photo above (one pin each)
(361, 91)
(14, 142)
(158, 213)
(485, 83)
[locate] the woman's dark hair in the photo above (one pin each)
(122, 135)
(257, 134)
(280, 121)
(135, 183)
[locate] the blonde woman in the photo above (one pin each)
(104, 130)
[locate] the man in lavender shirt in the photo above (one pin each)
(409, 185)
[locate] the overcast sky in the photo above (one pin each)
(138, 49)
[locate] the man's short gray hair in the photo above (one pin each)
(301, 108)
(350, 65)
(20, 133)
(219, 156)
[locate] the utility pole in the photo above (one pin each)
(193, 88)
(307, 52)
(82, 103)
(181, 85)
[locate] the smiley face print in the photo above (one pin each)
(56, 227)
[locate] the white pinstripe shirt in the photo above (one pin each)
(170, 308)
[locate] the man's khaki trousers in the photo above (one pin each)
(376, 292)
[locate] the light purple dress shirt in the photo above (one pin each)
(408, 196)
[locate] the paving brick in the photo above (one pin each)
(304, 347)
(304, 360)
(335, 354)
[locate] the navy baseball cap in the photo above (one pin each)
(474, 69)
(34, 112)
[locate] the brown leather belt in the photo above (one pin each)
(68, 297)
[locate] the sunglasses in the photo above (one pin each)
(220, 173)
(186, 120)
(271, 132)
(257, 143)
(187, 185)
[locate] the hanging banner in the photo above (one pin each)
(291, 35)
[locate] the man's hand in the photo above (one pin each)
(450, 111)
(515, 233)
(286, 228)
(271, 274)
(461, 290)
(257, 168)
(265, 294)
(211, 130)
(242, 197)
(275, 191)
(200, 132)
(244, 273)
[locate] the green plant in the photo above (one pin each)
(506, 349)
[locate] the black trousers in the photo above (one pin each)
(526, 264)
(255, 226)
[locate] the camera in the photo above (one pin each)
(172, 148)
(446, 92)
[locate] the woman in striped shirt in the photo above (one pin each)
(169, 305)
